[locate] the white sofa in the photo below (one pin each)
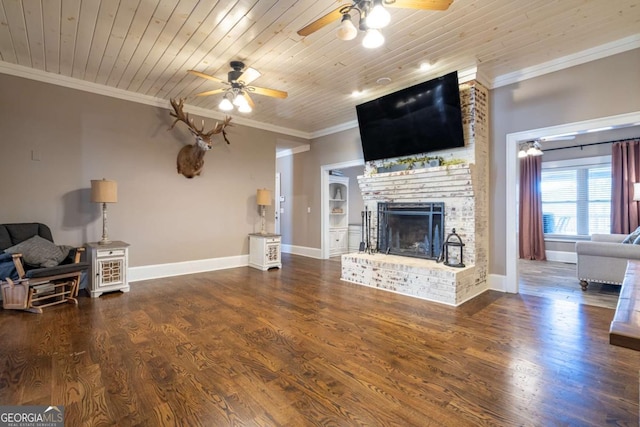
(604, 258)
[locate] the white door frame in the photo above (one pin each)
(277, 205)
(512, 172)
(324, 201)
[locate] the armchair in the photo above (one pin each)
(31, 258)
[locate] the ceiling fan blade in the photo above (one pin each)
(269, 92)
(249, 100)
(419, 4)
(319, 23)
(210, 92)
(206, 76)
(249, 75)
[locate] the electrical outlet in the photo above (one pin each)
(308, 209)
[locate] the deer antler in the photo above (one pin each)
(181, 116)
(220, 128)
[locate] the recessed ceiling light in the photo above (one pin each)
(383, 81)
(425, 66)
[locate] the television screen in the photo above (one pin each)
(419, 119)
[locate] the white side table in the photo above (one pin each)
(107, 267)
(264, 251)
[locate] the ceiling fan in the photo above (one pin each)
(238, 86)
(372, 17)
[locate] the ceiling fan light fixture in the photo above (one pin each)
(373, 39)
(225, 104)
(245, 108)
(239, 100)
(346, 30)
(378, 17)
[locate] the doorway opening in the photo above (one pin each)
(513, 141)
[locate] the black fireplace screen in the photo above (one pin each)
(411, 229)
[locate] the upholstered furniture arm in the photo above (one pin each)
(608, 250)
(611, 238)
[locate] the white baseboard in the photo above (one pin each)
(157, 271)
(302, 250)
(568, 257)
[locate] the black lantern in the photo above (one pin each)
(453, 250)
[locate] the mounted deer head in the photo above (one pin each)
(191, 157)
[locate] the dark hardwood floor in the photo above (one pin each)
(558, 281)
(298, 347)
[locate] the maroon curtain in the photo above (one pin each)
(530, 215)
(625, 171)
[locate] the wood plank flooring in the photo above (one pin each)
(557, 280)
(298, 347)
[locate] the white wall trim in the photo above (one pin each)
(72, 83)
(562, 256)
(147, 272)
(292, 151)
(582, 57)
(324, 201)
(335, 129)
(302, 251)
(512, 141)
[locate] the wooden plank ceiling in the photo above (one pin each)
(147, 46)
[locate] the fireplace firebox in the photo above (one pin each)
(411, 229)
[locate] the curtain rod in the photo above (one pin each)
(592, 143)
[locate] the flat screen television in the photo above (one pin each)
(419, 119)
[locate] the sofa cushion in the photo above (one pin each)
(39, 251)
(631, 238)
(5, 238)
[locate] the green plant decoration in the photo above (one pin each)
(410, 163)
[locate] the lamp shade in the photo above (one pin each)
(636, 191)
(104, 191)
(263, 197)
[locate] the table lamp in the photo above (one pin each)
(104, 191)
(263, 199)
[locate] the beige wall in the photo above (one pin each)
(165, 217)
(301, 172)
(356, 204)
(601, 88)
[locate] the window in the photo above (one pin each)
(576, 197)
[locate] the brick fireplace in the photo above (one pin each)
(461, 189)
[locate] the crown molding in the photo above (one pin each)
(578, 58)
(292, 151)
(72, 83)
(335, 129)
